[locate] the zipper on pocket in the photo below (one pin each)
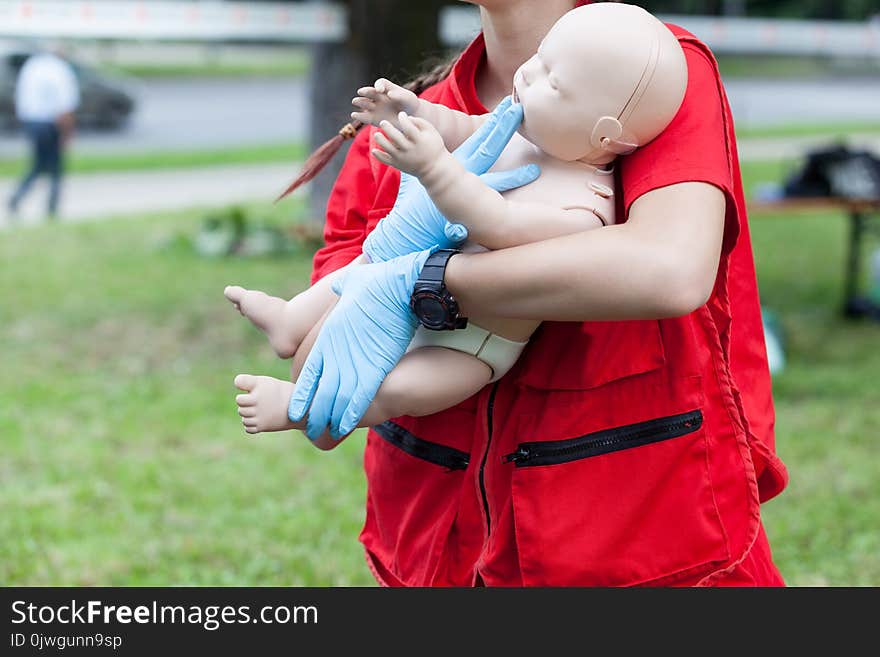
(448, 457)
(552, 452)
(490, 411)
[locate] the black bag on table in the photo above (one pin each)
(837, 171)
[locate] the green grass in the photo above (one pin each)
(123, 458)
(824, 527)
(809, 130)
(286, 65)
(124, 464)
(154, 160)
(784, 66)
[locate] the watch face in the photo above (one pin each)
(430, 311)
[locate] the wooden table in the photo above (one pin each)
(864, 217)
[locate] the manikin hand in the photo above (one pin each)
(383, 102)
(415, 148)
(415, 223)
(362, 339)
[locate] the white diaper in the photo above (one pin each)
(498, 353)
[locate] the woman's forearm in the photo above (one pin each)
(574, 278)
(661, 263)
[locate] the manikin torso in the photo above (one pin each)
(561, 183)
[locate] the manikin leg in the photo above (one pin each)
(286, 323)
(426, 380)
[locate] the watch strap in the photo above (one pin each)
(435, 267)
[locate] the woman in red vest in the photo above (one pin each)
(632, 443)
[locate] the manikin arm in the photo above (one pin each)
(491, 220)
(385, 100)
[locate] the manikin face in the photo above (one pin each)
(555, 98)
(607, 78)
(553, 106)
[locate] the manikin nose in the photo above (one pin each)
(528, 69)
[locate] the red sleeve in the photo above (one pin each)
(345, 227)
(695, 147)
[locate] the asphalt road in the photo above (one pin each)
(105, 195)
(201, 113)
(757, 102)
(197, 114)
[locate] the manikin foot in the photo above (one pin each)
(263, 406)
(267, 314)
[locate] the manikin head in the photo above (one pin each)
(606, 79)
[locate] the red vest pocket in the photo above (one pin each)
(580, 356)
(414, 490)
(610, 508)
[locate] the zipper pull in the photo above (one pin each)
(457, 464)
(521, 454)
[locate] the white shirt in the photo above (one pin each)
(46, 88)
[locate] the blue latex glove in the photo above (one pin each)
(362, 340)
(415, 223)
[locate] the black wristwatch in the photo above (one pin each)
(431, 302)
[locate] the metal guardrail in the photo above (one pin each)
(784, 37)
(173, 20)
(732, 35)
(215, 20)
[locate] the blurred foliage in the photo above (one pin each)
(236, 231)
(289, 65)
(816, 9)
(85, 162)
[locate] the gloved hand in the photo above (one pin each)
(362, 339)
(415, 223)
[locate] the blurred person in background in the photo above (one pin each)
(46, 96)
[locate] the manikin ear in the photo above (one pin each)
(607, 136)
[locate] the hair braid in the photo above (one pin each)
(325, 152)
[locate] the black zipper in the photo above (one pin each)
(448, 457)
(552, 452)
(489, 411)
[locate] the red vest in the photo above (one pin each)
(613, 453)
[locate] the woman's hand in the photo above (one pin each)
(363, 338)
(415, 223)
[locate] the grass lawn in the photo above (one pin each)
(124, 462)
(123, 458)
(286, 65)
(158, 160)
(791, 66)
(840, 131)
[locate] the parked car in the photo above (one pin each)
(104, 103)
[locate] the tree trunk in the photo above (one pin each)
(387, 38)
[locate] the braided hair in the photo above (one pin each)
(325, 152)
